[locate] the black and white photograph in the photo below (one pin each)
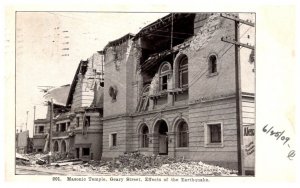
(120, 94)
(151, 94)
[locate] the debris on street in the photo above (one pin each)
(133, 163)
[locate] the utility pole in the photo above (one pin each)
(50, 131)
(237, 44)
(33, 121)
(26, 120)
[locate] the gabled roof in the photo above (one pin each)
(73, 86)
(98, 99)
(58, 94)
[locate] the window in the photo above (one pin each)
(144, 100)
(63, 127)
(77, 121)
(113, 140)
(164, 75)
(68, 125)
(87, 121)
(212, 64)
(85, 151)
(214, 134)
(145, 137)
(63, 146)
(183, 73)
(41, 129)
(57, 127)
(55, 147)
(183, 137)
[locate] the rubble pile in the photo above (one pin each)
(136, 163)
(31, 159)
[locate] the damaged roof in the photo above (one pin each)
(119, 40)
(58, 94)
(73, 86)
(164, 21)
(98, 96)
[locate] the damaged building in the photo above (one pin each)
(42, 126)
(77, 112)
(170, 90)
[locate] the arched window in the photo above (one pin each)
(144, 99)
(212, 64)
(183, 77)
(55, 147)
(63, 146)
(144, 136)
(183, 137)
(164, 74)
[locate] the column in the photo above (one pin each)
(171, 144)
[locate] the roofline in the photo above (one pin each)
(159, 21)
(73, 86)
(119, 40)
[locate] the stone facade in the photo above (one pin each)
(206, 104)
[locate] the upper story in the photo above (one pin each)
(86, 88)
(59, 97)
(175, 61)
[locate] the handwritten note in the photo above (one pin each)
(281, 137)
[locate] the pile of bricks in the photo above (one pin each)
(138, 164)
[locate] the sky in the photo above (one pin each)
(50, 45)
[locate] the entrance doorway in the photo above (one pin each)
(161, 129)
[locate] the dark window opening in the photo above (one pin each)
(41, 129)
(68, 125)
(183, 73)
(114, 139)
(145, 137)
(212, 64)
(183, 136)
(77, 152)
(40, 150)
(215, 133)
(55, 148)
(57, 127)
(85, 151)
(164, 74)
(77, 121)
(87, 121)
(63, 146)
(164, 82)
(63, 127)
